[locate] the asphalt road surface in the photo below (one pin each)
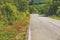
(44, 28)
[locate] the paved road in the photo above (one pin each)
(44, 28)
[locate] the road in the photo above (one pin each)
(44, 28)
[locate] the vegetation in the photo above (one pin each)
(14, 15)
(47, 7)
(14, 19)
(55, 17)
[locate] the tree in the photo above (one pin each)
(53, 8)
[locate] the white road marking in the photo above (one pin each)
(29, 35)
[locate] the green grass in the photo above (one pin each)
(55, 17)
(7, 32)
(42, 14)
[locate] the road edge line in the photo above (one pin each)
(29, 34)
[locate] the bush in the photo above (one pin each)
(33, 10)
(8, 14)
(58, 12)
(13, 21)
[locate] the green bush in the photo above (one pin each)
(13, 21)
(8, 14)
(33, 10)
(58, 12)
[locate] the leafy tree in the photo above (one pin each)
(53, 7)
(58, 13)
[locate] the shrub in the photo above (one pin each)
(58, 12)
(8, 14)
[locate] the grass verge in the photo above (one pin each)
(55, 17)
(17, 31)
(13, 23)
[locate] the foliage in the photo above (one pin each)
(33, 9)
(9, 13)
(58, 12)
(47, 7)
(21, 5)
(14, 19)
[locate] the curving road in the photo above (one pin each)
(44, 28)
